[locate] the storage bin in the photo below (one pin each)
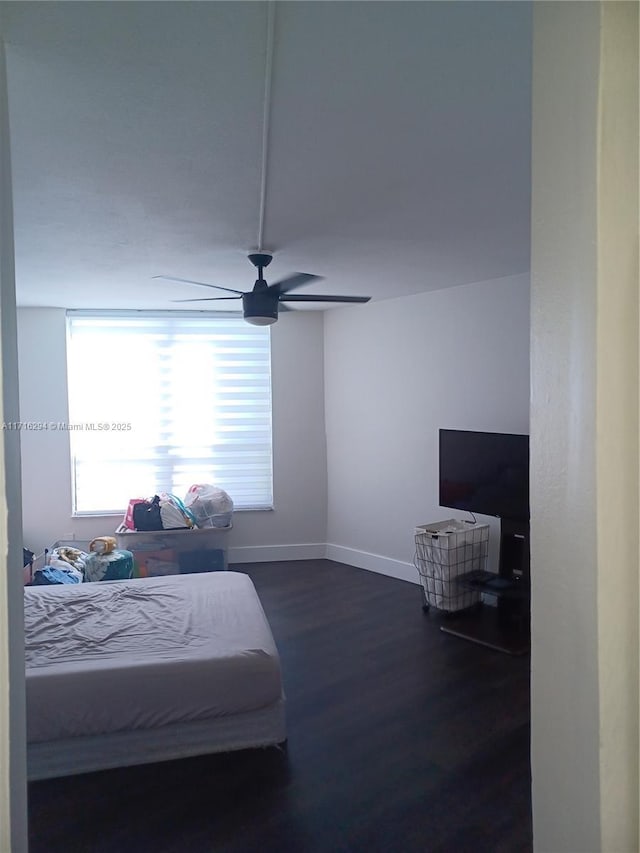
(445, 551)
(172, 552)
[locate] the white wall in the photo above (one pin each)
(584, 427)
(563, 485)
(299, 518)
(13, 766)
(618, 382)
(395, 372)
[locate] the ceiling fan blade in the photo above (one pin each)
(208, 299)
(308, 297)
(298, 279)
(201, 283)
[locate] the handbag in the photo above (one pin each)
(146, 515)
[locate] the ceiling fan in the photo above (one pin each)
(261, 305)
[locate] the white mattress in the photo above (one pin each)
(139, 654)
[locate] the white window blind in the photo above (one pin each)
(159, 401)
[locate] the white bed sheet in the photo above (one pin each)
(262, 728)
(146, 653)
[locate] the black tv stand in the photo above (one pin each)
(505, 627)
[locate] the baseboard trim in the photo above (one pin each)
(373, 563)
(275, 553)
(318, 551)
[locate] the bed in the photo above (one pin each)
(150, 669)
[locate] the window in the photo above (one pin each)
(159, 401)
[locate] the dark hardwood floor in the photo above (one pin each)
(401, 738)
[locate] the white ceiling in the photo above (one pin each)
(398, 157)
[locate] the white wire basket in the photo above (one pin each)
(446, 551)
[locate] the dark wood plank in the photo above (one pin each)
(401, 738)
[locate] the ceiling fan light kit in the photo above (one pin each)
(261, 319)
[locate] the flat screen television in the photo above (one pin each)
(485, 473)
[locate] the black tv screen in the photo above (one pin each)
(485, 472)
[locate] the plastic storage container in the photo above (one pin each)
(446, 550)
(173, 552)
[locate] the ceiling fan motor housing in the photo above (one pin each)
(260, 307)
